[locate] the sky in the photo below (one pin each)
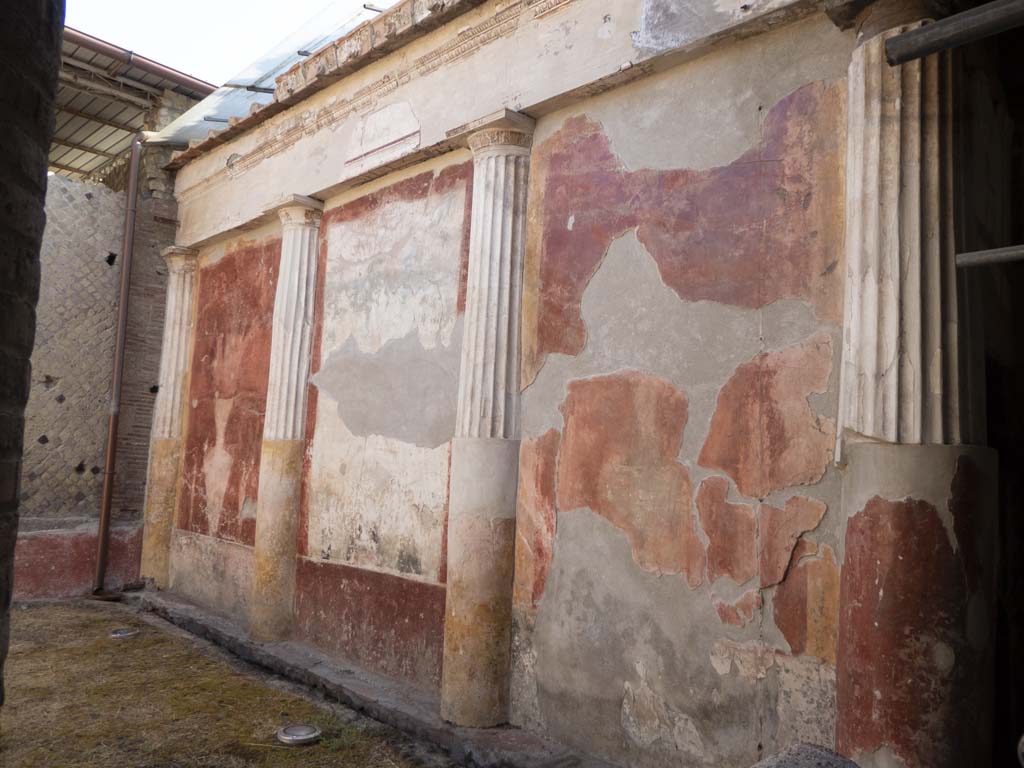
(208, 39)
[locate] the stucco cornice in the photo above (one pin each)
(364, 45)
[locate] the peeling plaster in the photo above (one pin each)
(618, 458)
(669, 24)
(651, 632)
(648, 328)
(764, 433)
(402, 391)
(763, 228)
(376, 488)
(228, 388)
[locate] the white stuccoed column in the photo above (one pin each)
(485, 450)
(277, 505)
(900, 368)
(165, 441)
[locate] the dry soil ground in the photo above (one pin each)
(163, 699)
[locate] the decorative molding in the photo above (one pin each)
(292, 128)
(899, 377)
(499, 137)
(293, 319)
(300, 216)
(488, 404)
(181, 277)
(180, 258)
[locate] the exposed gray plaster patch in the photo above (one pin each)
(669, 24)
(717, 101)
(623, 659)
(807, 701)
(402, 391)
(634, 321)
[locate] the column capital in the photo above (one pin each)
(503, 130)
(180, 258)
(297, 209)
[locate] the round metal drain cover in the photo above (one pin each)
(298, 735)
(123, 633)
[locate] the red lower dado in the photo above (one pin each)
(61, 563)
(385, 623)
(915, 661)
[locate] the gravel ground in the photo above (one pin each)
(164, 699)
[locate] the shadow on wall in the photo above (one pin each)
(30, 36)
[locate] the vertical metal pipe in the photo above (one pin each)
(110, 463)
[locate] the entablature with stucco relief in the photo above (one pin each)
(533, 56)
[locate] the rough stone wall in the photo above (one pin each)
(30, 34)
(66, 417)
(382, 414)
(678, 534)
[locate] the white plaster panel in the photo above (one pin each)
(392, 274)
(394, 271)
(376, 501)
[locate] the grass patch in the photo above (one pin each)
(76, 697)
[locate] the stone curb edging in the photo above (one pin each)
(411, 711)
(806, 756)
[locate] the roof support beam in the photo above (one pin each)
(67, 168)
(83, 148)
(101, 120)
(101, 169)
(95, 86)
(958, 29)
(67, 61)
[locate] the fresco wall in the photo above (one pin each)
(392, 267)
(212, 546)
(679, 534)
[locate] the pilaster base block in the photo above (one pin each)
(160, 506)
(915, 665)
(481, 555)
(277, 515)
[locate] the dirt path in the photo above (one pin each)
(163, 699)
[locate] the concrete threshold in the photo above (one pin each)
(401, 706)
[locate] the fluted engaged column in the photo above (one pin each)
(165, 442)
(914, 662)
(900, 363)
(485, 450)
(277, 504)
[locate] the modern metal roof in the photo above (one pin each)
(103, 95)
(254, 85)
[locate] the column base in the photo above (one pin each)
(914, 668)
(277, 515)
(481, 555)
(161, 504)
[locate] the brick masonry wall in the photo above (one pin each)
(154, 231)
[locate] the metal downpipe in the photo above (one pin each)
(110, 461)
